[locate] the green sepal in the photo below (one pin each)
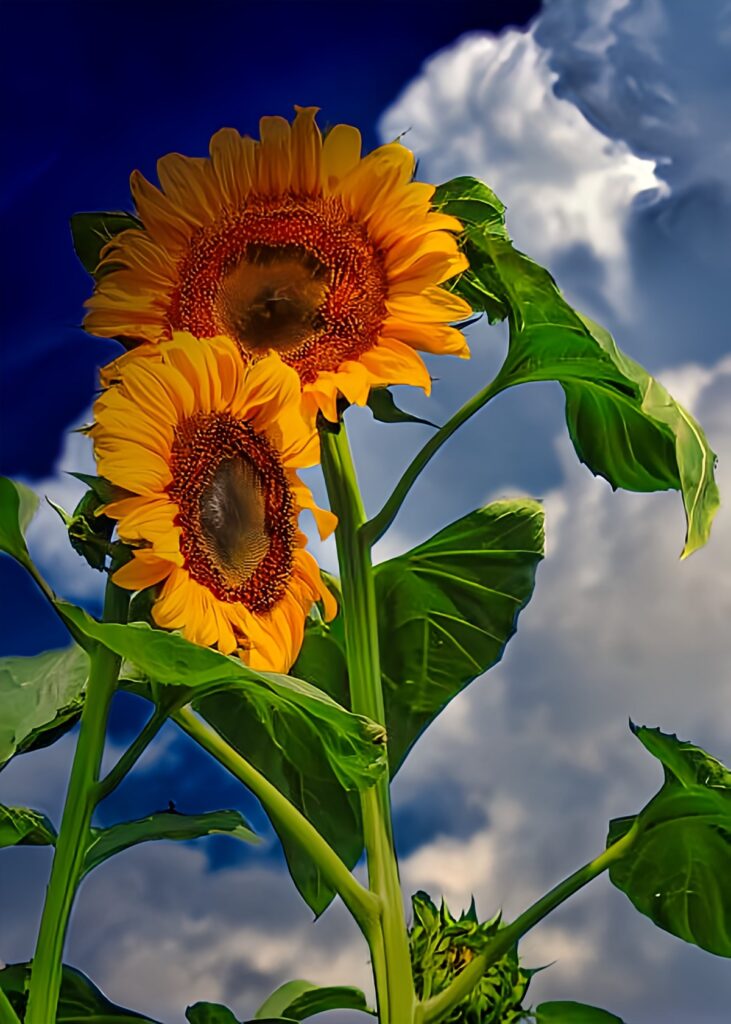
(21, 826)
(90, 232)
(623, 423)
(106, 842)
(677, 868)
(80, 1000)
(383, 406)
(442, 946)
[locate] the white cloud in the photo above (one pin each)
(486, 107)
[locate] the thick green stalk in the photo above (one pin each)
(439, 1006)
(358, 900)
(394, 978)
(45, 980)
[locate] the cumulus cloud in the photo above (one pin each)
(486, 107)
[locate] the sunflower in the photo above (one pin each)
(207, 447)
(294, 243)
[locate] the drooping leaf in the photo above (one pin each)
(623, 423)
(678, 867)
(210, 1013)
(18, 505)
(383, 406)
(40, 698)
(106, 842)
(80, 999)
(448, 608)
(20, 826)
(313, 750)
(566, 1012)
(298, 1000)
(104, 490)
(91, 232)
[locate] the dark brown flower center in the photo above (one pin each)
(236, 510)
(272, 298)
(291, 273)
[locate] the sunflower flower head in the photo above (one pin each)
(292, 243)
(207, 449)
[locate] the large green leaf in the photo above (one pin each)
(678, 868)
(40, 698)
(566, 1012)
(80, 999)
(91, 232)
(623, 423)
(313, 750)
(447, 609)
(18, 505)
(20, 826)
(106, 842)
(298, 1000)
(446, 612)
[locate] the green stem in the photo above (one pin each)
(45, 980)
(358, 900)
(7, 1013)
(392, 971)
(375, 528)
(439, 1006)
(130, 757)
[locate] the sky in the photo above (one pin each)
(604, 127)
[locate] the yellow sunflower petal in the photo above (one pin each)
(168, 225)
(392, 362)
(143, 571)
(190, 184)
(234, 161)
(275, 158)
(306, 152)
(340, 154)
(431, 305)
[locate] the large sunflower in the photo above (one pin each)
(296, 244)
(207, 448)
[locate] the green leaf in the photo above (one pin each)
(80, 999)
(382, 405)
(448, 608)
(623, 423)
(106, 842)
(298, 1000)
(209, 1013)
(313, 750)
(18, 505)
(41, 697)
(20, 826)
(565, 1012)
(677, 869)
(91, 232)
(102, 488)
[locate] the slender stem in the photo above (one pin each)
(439, 1006)
(130, 757)
(361, 903)
(393, 973)
(7, 1013)
(45, 979)
(375, 528)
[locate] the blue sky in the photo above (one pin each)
(604, 127)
